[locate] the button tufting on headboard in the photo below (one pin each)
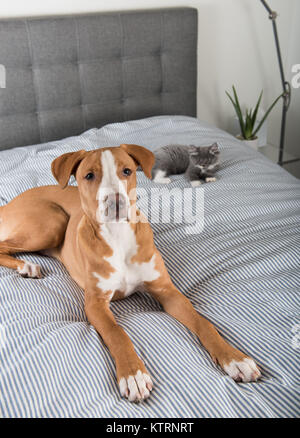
(67, 74)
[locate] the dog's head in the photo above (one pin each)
(106, 179)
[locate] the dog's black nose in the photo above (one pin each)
(116, 206)
(115, 199)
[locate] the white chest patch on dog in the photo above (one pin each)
(120, 237)
(128, 276)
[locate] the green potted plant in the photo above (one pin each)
(248, 120)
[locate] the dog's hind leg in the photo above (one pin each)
(32, 229)
(26, 269)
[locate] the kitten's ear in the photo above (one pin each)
(192, 150)
(214, 149)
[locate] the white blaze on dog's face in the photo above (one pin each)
(114, 193)
(106, 179)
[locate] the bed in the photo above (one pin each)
(240, 267)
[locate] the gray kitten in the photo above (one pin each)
(198, 163)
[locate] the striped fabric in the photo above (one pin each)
(241, 272)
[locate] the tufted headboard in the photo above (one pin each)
(67, 74)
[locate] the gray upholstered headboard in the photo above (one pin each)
(67, 74)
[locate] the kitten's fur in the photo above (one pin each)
(198, 163)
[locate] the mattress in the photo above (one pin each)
(239, 267)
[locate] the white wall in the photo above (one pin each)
(236, 46)
(293, 122)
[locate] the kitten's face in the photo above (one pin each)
(204, 157)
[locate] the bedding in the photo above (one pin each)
(240, 270)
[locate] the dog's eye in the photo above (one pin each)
(89, 176)
(127, 172)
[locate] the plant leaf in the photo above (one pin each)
(239, 111)
(248, 127)
(267, 113)
(256, 108)
(233, 102)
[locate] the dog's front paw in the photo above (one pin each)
(136, 387)
(244, 370)
(237, 365)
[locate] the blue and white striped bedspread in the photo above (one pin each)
(241, 272)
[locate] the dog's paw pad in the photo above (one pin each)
(243, 371)
(30, 270)
(136, 388)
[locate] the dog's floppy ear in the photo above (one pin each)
(66, 165)
(142, 156)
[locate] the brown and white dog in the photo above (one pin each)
(108, 258)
